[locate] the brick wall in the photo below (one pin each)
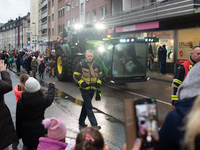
(96, 4)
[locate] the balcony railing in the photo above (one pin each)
(44, 25)
(44, 14)
(43, 3)
(151, 12)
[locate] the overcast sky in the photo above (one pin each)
(11, 9)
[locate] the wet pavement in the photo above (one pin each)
(68, 107)
(63, 107)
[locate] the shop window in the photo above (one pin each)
(165, 38)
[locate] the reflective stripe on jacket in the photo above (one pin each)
(89, 73)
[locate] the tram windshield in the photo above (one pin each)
(129, 59)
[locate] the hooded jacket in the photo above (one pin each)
(18, 93)
(47, 144)
(171, 133)
(29, 115)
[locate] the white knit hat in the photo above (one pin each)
(190, 86)
(32, 85)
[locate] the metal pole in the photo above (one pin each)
(35, 37)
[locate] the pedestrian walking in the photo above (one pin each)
(56, 135)
(30, 112)
(90, 139)
(162, 59)
(51, 68)
(34, 65)
(41, 69)
(18, 61)
(11, 60)
(182, 72)
(39, 58)
(19, 88)
(88, 75)
(5, 57)
(28, 63)
(7, 131)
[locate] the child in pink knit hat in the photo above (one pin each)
(56, 135)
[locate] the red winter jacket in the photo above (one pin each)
(18, 93)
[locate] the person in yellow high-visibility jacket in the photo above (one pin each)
(88, 75)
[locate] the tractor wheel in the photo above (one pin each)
(75, 63)
(61, 66)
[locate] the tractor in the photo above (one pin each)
(121, 59)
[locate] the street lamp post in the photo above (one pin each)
(35, 35)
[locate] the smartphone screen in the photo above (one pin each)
(147, 121)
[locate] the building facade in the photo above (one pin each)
(13, 34)
(64, 13)
(174, 22)
(42, 20)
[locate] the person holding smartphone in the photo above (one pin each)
(172, 132)
(136, 146)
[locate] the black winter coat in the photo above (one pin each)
(41, 68)
(7, 131)
(28, 63)
(162, 54)
(30, 113)
(18, 60)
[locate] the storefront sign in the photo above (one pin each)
(143, 26)
(28, 30)
(185, 44)
(163, 35)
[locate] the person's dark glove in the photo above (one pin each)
(97, 85)
(84, 84)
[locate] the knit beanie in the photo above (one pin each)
(190, 86)
(56, 128)
(32, 85)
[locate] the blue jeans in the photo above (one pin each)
(162, 66)
(16, 144)
(87, 108)
(41, 74)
